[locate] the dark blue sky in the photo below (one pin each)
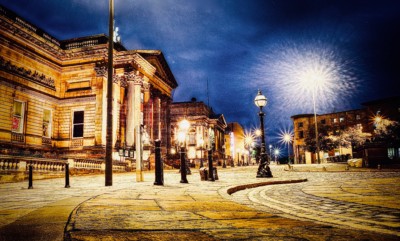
(239, 46)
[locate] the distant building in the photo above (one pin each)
(236, 150)
(53, 94)
(206, 128)
(339, 121)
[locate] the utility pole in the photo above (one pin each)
(109, 135)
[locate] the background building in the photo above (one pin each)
(234, 135)
(364, 119)
(206, 128)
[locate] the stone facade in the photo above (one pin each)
(206, 128)
(53, 94)
(234, 136)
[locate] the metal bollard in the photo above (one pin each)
(210, 166)
(183, 165)
(67, 175)
(159, 165)
(30, 177)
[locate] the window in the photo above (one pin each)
(359, 126)
(341, 119)
(323, 121)
(18, 117)
(46, 123)
(301, 134)
(77, 130)
(358, 117)
(300, 124)
(334, 120)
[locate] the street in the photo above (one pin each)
(333, 204)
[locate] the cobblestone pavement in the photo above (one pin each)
(329, 206)
(367, 201)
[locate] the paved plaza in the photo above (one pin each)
(310, 202)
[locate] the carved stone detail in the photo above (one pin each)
(33, 76)
(101, 70)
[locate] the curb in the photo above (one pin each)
(232, 190)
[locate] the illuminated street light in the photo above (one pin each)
(263, 169)
(248, 142)
(183, 127)
(286, 138)
(276, 154)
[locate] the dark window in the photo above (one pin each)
(323, 121)
(301, 134)
(300, 124)
(78, 124)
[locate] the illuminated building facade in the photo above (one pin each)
(206, 128)
(363, 119)
(235, 143)
(53, 94)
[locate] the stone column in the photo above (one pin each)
(133, 120)
(138, 122)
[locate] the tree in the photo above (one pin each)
(326, 143)
(388, 132)
(353, 137)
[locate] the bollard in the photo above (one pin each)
(67, 175)
(210, 166)
(183, 166)
(159, 168)
(30, 176)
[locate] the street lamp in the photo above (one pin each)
(248, 142)
(286, 138)
(201, 143)
(183, 127)
(276, 154)
(263, 169)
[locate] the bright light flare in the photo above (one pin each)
(286, 137)
(294, 73)
(249, 138)
(277, 152)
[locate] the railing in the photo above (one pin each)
(15, 168)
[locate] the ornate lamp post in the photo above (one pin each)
(183, 127)
(263, 169)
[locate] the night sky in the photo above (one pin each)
(240, 46)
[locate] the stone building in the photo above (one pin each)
(53, 94)
(363, 119)
(206, 128)
(235, 146)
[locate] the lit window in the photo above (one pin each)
(78, 124)
(18, 117)
(359, 126)
(46, 123)
(341, 119)
(334, 120)
(358, 117)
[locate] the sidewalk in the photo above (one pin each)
(200, 210)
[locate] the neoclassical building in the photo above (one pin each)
(53, 94)
(206, 128)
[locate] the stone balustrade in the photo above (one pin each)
(15, 168)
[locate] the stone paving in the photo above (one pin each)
(329, 206)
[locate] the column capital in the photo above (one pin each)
(134, 77)
(101, 70)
